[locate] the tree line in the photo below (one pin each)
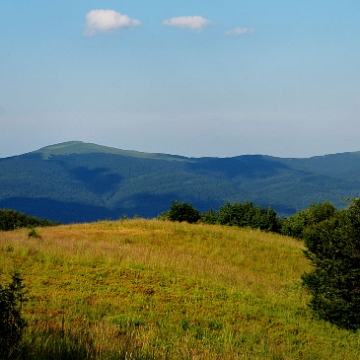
(247, 214)
(12, 219)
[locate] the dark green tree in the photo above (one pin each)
(209, 217)
(11, 322)
(12, 219)
(181, 211)
(296, 224)
(250, 215)
(333, 247)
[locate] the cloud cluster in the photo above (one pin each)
(191, 22)
(110, 20)
(239, 31)
(107, 21)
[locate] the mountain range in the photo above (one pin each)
(82, 182)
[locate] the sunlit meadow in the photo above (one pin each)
(151, 289)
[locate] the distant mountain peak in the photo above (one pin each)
(80, 147)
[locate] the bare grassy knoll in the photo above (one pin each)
(140, 289)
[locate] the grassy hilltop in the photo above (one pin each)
(148, 289)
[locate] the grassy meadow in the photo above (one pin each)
(149, 289)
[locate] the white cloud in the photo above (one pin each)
(240, 31)
(107, 21)
(191, 22)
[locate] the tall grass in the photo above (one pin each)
(140, 289)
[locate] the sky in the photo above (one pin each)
(192, 78)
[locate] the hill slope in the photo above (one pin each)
(77, 182)
(164, 290)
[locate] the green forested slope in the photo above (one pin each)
(76, 181)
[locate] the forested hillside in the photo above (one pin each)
(77, 182)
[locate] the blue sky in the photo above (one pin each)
(193, 78)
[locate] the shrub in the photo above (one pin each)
(33, 233)
(333, 247)
(11, 322)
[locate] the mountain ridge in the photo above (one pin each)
(78, 182)
(78, 144)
